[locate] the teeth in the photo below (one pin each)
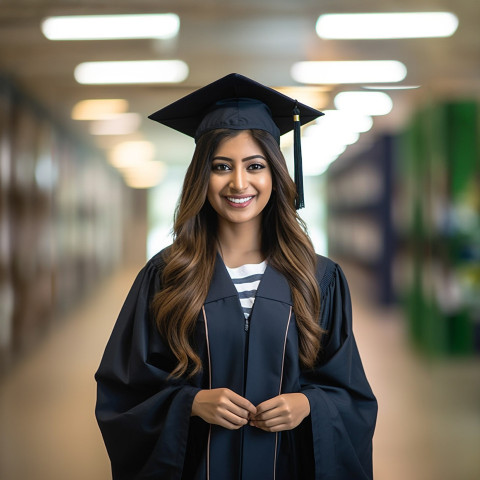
(239, 200)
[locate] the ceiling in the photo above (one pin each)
(258, 38)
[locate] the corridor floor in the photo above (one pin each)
(429, 412)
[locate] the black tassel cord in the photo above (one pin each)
(297, 157)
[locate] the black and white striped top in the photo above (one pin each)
(246, 280)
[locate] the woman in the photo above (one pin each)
(233, 356)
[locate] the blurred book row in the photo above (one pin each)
(407, 209)
(61, 208)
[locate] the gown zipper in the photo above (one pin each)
(247, 336)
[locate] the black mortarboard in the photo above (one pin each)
(239, 103)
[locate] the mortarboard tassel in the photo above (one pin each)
(297, 157)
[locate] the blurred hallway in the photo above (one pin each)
(429, 417)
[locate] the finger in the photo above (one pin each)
(235, 403)
(243, 403)
(233, 410)
(266, 406)
(269, 422)
(229, 425)
(279, 427)
(240, 412)
(234, 420)
(275, 412)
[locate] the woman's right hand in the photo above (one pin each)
(222, 406)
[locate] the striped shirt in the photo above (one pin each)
(246, 280)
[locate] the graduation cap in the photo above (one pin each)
(239, 103)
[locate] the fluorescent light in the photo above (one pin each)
(315, 96)
(144, 175)
(330, 134)
(386, 25)
(143, 71)
(107, 27)
(329, 137)
(391, 87)
(345, 120)
(368, 103)
(135, 161)
(99, 109)
(129, 154)
(370, 71)
(122, 124)
(318, 154)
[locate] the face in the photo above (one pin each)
(240, 182)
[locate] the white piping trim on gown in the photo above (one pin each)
(280, 391)
(209, 386)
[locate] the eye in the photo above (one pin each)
(220, 167)
(256, 166)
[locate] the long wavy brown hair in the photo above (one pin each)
(189, 262)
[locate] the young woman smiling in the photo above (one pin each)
(233, 356)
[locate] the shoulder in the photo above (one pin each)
(151, 274)
(325, 272)
(159, 260)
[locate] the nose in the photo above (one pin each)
(238, 180)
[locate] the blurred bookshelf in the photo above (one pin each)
(359, 219)
(441, 172)
(61, 221)
(406, 210)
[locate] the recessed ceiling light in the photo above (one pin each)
(146, 71)
(108, 27)
(367, 103)
(128, 154)
(329, 133)
(318, 154)
(99, 109)
(391, 87)
(386, 25)
(121, 124)
(354, 121)
(370, 71)
(315, 96)
(146, 174)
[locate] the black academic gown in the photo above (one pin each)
(144, 415)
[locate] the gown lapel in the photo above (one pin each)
(226, 345)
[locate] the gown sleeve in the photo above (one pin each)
(342, 405)
(143, 415)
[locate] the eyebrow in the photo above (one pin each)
(246, 159)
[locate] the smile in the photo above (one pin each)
(239, 200)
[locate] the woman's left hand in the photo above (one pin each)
(283, 412)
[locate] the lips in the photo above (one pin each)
(239, 202)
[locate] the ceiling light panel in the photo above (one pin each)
(391, 87)
(365, 103)
(344, 26)
(371, 71)
(348, 120)
(121, 124)
(128, 154)
(111, 27)
(146, 174)
(99, 109)
(147, 71)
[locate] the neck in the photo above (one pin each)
(239, 243)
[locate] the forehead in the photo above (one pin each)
(239, 143)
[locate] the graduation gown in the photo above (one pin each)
(145, 416)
